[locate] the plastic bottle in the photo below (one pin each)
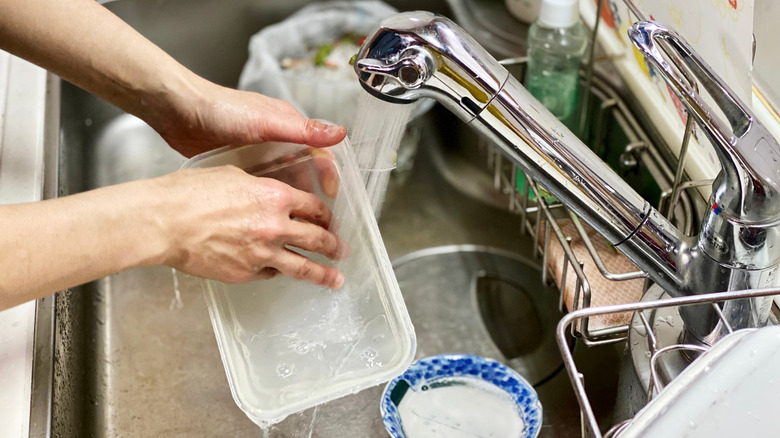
(556, 43)
(557, 40)
(526, 11)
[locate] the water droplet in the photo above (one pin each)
(302, 346)
(369, 355)
(285, 370)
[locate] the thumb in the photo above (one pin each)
(291, 126)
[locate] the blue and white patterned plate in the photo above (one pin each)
(430, 369)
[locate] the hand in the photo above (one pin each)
(228, 225)
(219, 223)
(217, 116)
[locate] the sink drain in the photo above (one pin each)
(510, 315)
(483, 301)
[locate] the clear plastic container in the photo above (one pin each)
(288, 345)
(556, 44)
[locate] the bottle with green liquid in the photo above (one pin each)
(557, 41)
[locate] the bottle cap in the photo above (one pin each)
(559, 13)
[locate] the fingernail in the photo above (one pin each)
(332, 130)
(339, 282)
(330, 185)
(320, 153)
(329, 129)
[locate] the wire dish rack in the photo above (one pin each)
(603, 112)
(590, 425)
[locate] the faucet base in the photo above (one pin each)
(667, 329)
(636, 381)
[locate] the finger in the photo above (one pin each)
(296, 266)
(321, 171)
(316, 239)
(310, 208)
(287, 124)
(327, 167)
(319, 134)
(297, 175)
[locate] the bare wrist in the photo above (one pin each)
(168, 105)
(150, 223)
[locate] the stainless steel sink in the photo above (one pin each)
(130, 359)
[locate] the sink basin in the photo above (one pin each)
(134, 353)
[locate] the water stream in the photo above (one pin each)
(376, 137)
(176, 302)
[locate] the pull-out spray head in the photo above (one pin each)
(392, 81)
(419, 54)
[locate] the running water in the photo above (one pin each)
(176, 302)
(375, 137)
(296, 425)
(267, 427)
(313, 421)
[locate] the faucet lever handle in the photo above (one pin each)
(646, 34)
(748, 153)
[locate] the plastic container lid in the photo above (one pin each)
(731, 390)
(559, 13)
(288, 345)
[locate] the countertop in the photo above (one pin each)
(22, 113)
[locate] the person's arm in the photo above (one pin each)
(86, 44)
(220, 223)
(216, 223)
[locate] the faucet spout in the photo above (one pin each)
(419, 54)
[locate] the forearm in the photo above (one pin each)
(84, 43)
(56, 244)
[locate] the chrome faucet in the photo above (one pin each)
(419, 54)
